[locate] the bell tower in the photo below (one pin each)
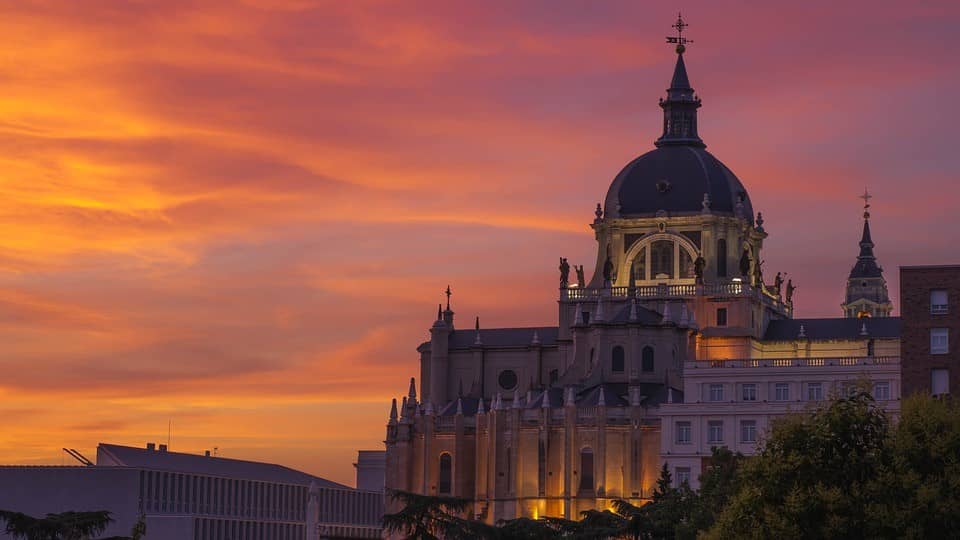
(867, 294)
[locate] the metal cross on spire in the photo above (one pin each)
(679, 39)
(448, 293)
(866, 203)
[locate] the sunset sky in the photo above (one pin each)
(241, 218)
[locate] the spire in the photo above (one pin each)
(480, 406)
(413, 389)
(393, 410)
(460, 406)
(866, 265)
(448, 313)
(680, 107)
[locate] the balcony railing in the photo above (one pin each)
(681, 290)
(793, 362)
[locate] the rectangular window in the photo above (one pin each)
(716, 392)
(721, 316)
(749, 392)
(781, 392)
(939, 381)
(715, 431)
(682, 476)
(939, 341)
(881, 391)
(938, 302)
(814, 391)
(683, 432)
(748, 431)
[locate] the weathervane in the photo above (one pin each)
(866, 203)
(448, 292)
(679, 39)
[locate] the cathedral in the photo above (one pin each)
(679, 341)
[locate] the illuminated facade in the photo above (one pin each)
(560, 419)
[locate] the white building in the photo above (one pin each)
(731, 402)
(187, 496)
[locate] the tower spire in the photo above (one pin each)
(867, 294)
(680, 107)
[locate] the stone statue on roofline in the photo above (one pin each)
(791, 288)
(778, 283)
(698, 266)
(745, 262)
(581, 282)
(564, 273)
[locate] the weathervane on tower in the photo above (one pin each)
(679, 39)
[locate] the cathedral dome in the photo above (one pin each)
(674, 179)
(679, 176)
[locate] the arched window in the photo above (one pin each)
(721, 258)
(661, 259)
(446, 474)
(541, 468)
(646, 360)
(617, 360)
(586, 469)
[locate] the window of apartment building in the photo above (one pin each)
(881, 390)
(446, 474)
(721, 316)
(781, 392)
(683, 433)
(814, 391)
(749, 392)
(939, 381)
(716, 392)
(939, 341)
(748, 431)
(586, 469)
(682, 476)
(617, 360)
(715, 431)
(938, 302)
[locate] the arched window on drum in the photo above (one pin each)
(617, 360)
(646, 359)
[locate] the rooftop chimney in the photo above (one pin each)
(163, 448)
(206, 453)
(151, 446)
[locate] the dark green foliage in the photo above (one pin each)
(64, 526)
(425, 517)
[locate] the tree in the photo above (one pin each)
(917, 493)
(63, 526)
(427, 517)
(813, 476)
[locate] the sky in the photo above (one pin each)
(236, 219)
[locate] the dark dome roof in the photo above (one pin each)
(674, 179)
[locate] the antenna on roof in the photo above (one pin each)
(169, 430)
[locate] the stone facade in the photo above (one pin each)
(930, 301)
(559, 419)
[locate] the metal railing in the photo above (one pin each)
(793, 362)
